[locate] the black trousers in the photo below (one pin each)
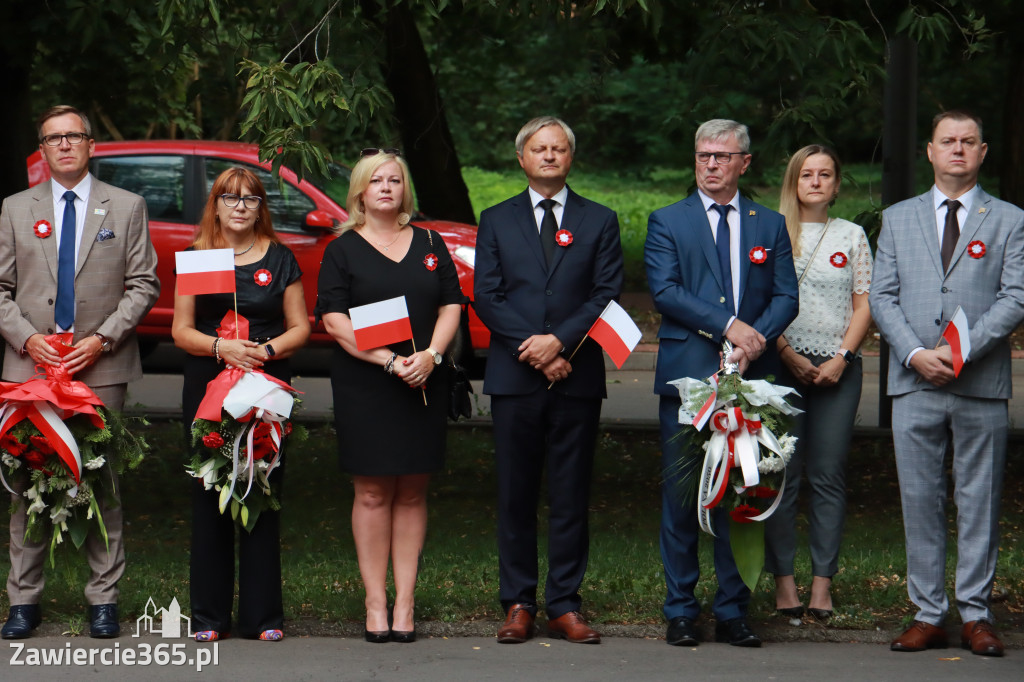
(212, 567)
(544, 428)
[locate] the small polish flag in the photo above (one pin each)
(207, 271)
(616, 332)
(381, 323)
(958, 335)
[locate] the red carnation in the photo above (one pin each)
(213, 440)
(743, 512)
(41, 444)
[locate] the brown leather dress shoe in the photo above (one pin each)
(920, 636)
(980, 638)
(518, 625)
(573, 627)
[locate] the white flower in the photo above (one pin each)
(771, 465)
(59, 515)
(788, 445)
(95, 463)
(11, 462)
(37, 505)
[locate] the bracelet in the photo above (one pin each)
(216, 349)
(389, 366)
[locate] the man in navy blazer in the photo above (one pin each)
(548, 261)
(712, 280)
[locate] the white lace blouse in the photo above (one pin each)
(841, 268)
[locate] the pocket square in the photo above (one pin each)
(104, 235)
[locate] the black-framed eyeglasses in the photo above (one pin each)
(55, 140)
(721, 158)
(374, 151)
(251, 202)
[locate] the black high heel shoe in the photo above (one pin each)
(792, 612)
(403, 637)
(377, 637)
(821, 615)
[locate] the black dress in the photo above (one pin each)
(212, 564)
(384, 429)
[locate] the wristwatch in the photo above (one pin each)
(104, 344)
(845, 355)
(434, 354)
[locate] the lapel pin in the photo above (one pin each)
(722, 300)
(752, 212)
(982, 209)
(100, 211)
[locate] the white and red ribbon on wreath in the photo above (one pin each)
(251, 398)
(734, 443)
(46, 400)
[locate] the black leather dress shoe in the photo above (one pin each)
(21, 621)
(737, 633)
(682, 631)
(103, 621)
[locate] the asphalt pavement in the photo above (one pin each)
(440, 659)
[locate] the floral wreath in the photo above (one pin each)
(52, 431)
(43, 229)
(263, 277)
(976, 249)
(758, 255)
(563, 237)
(838, 259)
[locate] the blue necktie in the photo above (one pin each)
(64, 311)
(724, 257)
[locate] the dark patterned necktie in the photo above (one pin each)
(64, 311)
(950, 233)
(722, 245)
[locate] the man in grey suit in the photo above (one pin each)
(91, 270)
(953, 246)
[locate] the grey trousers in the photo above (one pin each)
(921, 425)
(824, 431)
(25, 580)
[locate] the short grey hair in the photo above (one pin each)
(531, 128)
(717, 128)
(60, 110)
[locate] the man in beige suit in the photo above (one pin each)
(90, 270)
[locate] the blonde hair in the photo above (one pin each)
(361, 176)
(231, 181)
(789, 201)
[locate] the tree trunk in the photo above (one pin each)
(1011, 176)
(426, 139)
(16, 119)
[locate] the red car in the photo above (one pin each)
(175, 177)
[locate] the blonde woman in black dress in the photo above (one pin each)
(388, 439)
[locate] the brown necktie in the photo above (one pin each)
(950, 233)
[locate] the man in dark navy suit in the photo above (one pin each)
(711, 282)
(547, 263)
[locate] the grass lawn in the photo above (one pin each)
(459, 578)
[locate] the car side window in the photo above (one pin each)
(288, 205)
(159, 179)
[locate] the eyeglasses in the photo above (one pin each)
(72, 138)
(251, 202)
(374, 151)
(721, 158)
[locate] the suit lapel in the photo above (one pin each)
(95, 213)
(698, 217)
(749, 226)
(926, 223)
(42, 209)
(572, 220)
(979, 211)
(526, 224)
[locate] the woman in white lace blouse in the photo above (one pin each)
(819, 350)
